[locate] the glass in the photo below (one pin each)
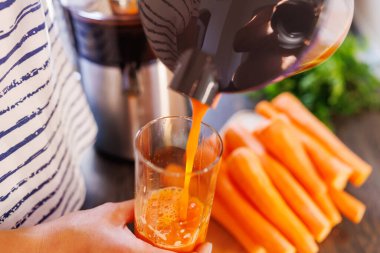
(252, 42)
(160, 171)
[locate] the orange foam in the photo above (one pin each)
(160, 223)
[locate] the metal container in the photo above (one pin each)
(125, 84)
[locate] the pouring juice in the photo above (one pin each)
(174, 215)
(222, 47)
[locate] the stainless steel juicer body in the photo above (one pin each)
(125, 84)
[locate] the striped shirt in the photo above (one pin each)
(45, 122)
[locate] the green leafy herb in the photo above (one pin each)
(343, 85)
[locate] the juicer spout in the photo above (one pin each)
(196, 77)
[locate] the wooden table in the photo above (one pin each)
(109, 179)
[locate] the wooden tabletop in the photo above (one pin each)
(110, 179)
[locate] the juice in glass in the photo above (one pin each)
(173, 205)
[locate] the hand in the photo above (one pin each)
(205, 248)
(98, 230)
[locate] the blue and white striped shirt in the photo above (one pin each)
(45, 122)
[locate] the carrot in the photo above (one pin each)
(246, 171)
(333, 171)
(328, 208)
(250, 220)
(266, 109)
(236, 137)
(226, 148)
(291, 106)
(349, 206)
(280, 140)
(297, 198)
(228, 221)
(293, 193)
(295, 158)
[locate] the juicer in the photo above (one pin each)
(216, 46)
(125, 84)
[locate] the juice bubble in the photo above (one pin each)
(160, 222)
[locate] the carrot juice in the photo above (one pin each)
(175, 181)
(162, 226)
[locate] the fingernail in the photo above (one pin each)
(208, 248)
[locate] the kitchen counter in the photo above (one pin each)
(110, 179)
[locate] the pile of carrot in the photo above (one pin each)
(281, 188)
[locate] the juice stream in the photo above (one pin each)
(199, 110)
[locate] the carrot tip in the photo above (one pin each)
(359, 216)
(340, 182)
(323, 234)
(358, 180)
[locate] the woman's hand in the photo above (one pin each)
(205, 248)
(101, 229)
(98, 230)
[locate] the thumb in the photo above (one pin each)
(143, 247)
(125, 211)
(205, 248)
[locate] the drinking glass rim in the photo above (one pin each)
(177, 174)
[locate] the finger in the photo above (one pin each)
(205, 248)
(125, 211)
(142, 247)
(157, 250)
